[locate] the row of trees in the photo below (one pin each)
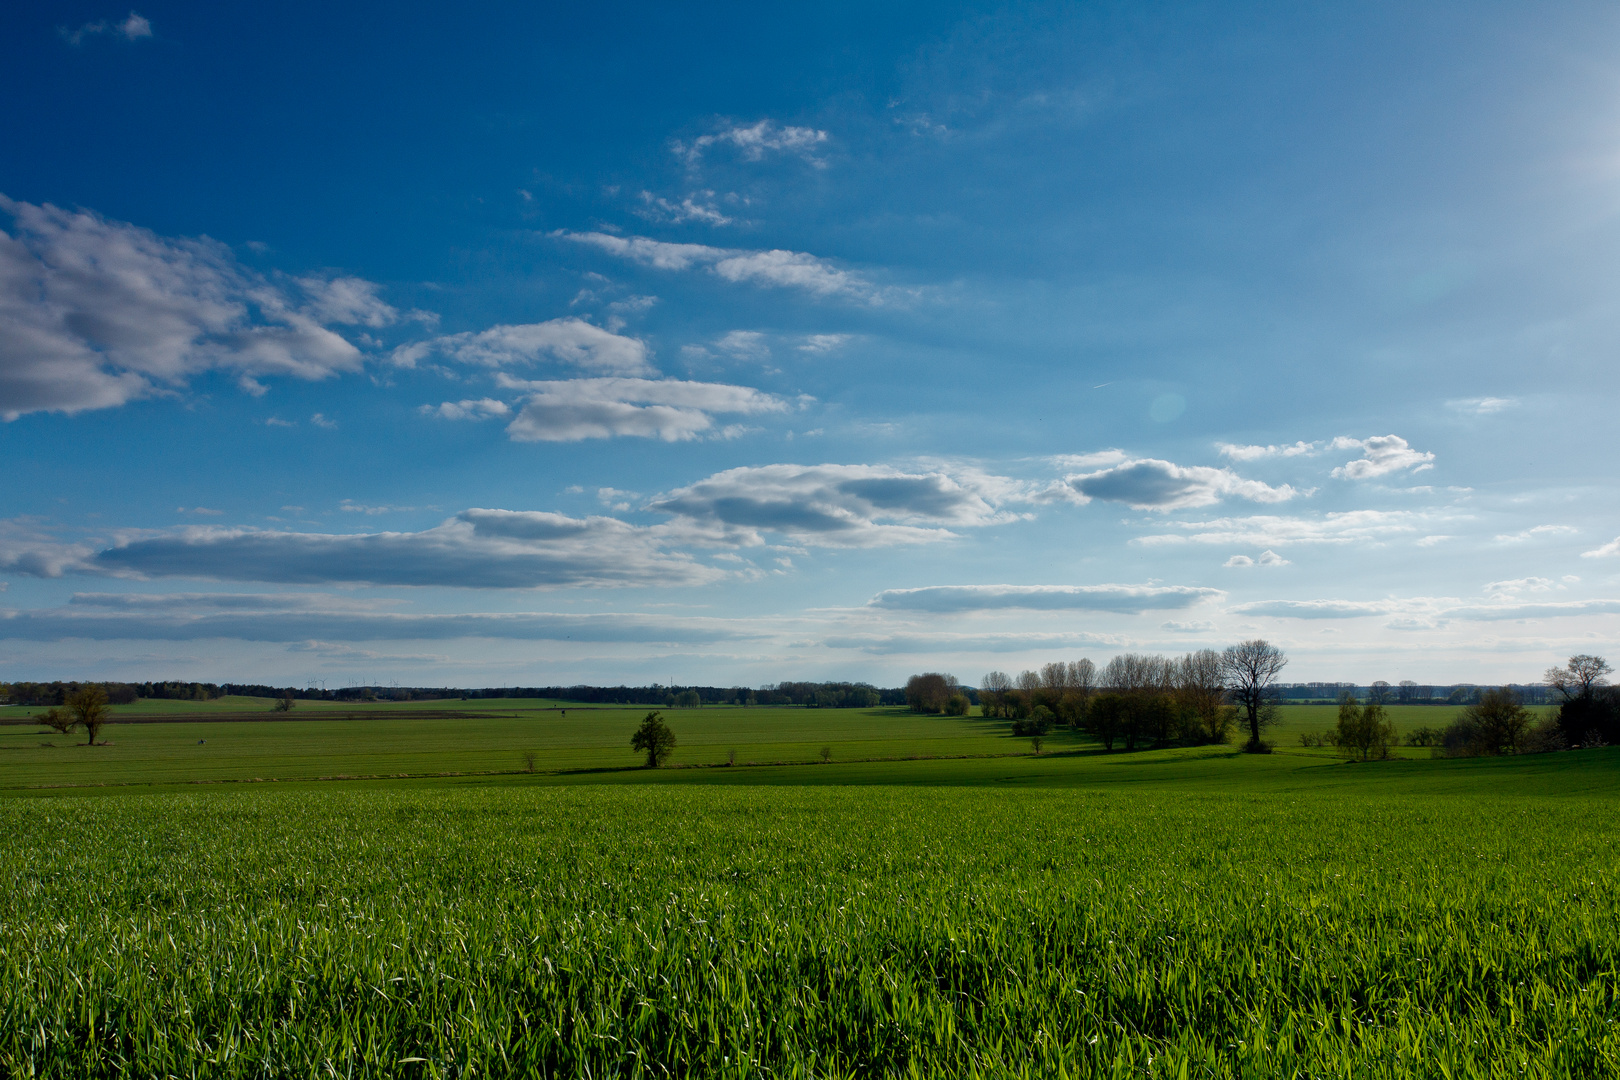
(1135, 699)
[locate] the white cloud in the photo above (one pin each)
(468, 409)
(821, 343)
(504, 549)
(892, 644)
(1256, 453)
(309, 619)
(1266, 558)
(1603, 552)
(95, 313)
(1318, 609)
(744, 345)
(132, 28)
(1151, 484)
(320, 420)
(1128, 599)
(1506, 590)
(1381, 455)
(1425, 611)
(568, 341)
(780, 268)
(1268, 531)
(669, 409)
(754, 141)
(697, 206)
(836, 505)
(1481, 406)
(1535, 531)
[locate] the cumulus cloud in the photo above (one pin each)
(1257, 453)
(497, 549)
(777, 267)
(569, 341)
(313, 618)
(669, 409)
(95, 313)
(27, 548)
(133, 27)
(836, 505)
(1127, 599)
(1381, 455)
(1269, 531)
(1266, 558)
(1151, 484)
(468, 409)
(754, 141)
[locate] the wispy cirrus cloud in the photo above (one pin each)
(1270, 531)
(776, 267)
(132, 27)
(696, 206)
(1127, 599)
(753, 142)
(95, 313)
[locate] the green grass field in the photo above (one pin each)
(245, 741)
(936, 901)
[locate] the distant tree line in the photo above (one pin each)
(1407, 692)
(1135, 700)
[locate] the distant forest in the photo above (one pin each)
(827, 695)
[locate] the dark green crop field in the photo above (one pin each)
(934, 901)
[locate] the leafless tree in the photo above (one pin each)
(1201, 697)
(1582, 675)
(1249, 672)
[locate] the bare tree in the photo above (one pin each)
(993, 693)
(1250, 672)
(1201, 697)
(88, 706)
(1580, 678)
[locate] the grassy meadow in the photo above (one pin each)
(934, 901)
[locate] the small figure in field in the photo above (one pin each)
(654, 739)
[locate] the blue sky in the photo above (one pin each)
(616, 343)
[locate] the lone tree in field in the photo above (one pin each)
(1364, 732)
(88, 706)
(654, 739)
(930, 692)
(1249, 672)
